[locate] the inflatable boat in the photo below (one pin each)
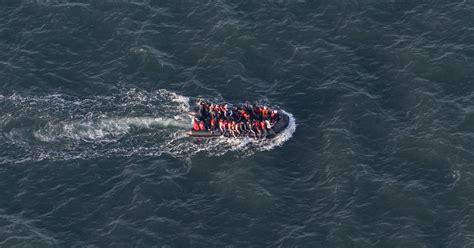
(279, 126)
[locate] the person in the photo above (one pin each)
(228, 111)
(213, 124)
(258, 113)
(222, 126)
(265, 112)
(258, 130)
(263, 127)
(243, 115)
(269, 127)
(249, 127)
(235, 127)
(207, 122)
(202, 127)
(203, 109)
(254, 114)
(274, 116)
(230, 128)
(212, 111)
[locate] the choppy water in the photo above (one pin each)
(93, 100)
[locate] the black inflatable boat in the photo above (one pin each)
(277, 128)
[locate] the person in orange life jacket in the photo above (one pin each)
(213, 125)
(217, 112)
(265, 112)
(274, 116)
(237, 115)
(227, 125)
(212, 111)
(236, 126)
(257, 129)
(263, 126)
(254, 111)
(249, 127)
(244, 115)
(221, 109)
(196, 124)
(230, 127)
(222, 126)
(202, 127)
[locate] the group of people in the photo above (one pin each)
(243, 120)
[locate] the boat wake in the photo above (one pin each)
(130, 123)
(104, 129)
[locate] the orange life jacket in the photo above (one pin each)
(213, 123)
(201, 126)
(265, 113)
(256, 125)
(195, 126)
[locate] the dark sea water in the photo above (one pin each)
(93, 101)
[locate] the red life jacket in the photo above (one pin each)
(195, 126)
(262, 125)
(256, 125)
(213, 123)
(201, 126)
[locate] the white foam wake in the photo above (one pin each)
(95, 130)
